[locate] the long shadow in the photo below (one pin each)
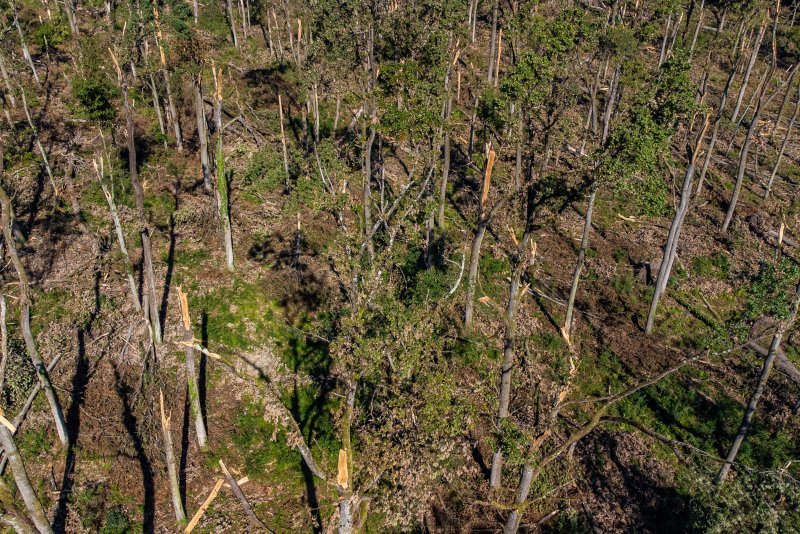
(162, 311)
(131, 424)
(80, 380)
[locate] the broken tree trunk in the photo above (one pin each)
(566, 330)
(172, 471)
(191, 373)
(523, 256)
(283, 145)
(484, 218)
(749, 70)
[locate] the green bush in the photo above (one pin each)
(95, 97)
(51, 33)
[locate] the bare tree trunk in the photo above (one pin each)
(697, 28)
(785, 100)
(367, 191)
(150, 302)
(157, 107)
(283, 146)
(25, 318)
(3, 341)
(7, 81)
(173, 113)
(715, 130)
(202, 133)
(783, 146)
(34, 506)
(222, 177)
(748, 139)
(251, 516)
(514, 293)
(766, 369)
(37, 140)
(664, 40)
(748, 71)
(566, 330)
(492, 44)
(112, 207)
(25, 52)
(671, 247)
(191, 373)
(232, 23)
(13, 515)
(484, 218)
(172, 471)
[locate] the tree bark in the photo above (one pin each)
(150, 304)
(492, 44)
(229, 11)
(173, 113)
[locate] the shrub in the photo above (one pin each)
(94, 96)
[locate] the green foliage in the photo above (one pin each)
(95, 95)
(771, 289)
(116, 522)
(52, 33)
(718, 265)
(265, 172)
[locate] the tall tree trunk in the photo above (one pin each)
(223, 204)
(202, 133)
(367, 188)
(191, 372)
(25, 52)
(492, 44)
(514, 294)
(748, 71)
(748, 139)
(286, 174)
(25, 317)
(157, 108)
(32, 504)
(150, 302)
(715, 129)
(232, 23)
(173, 113)
(484, 218)
(112, 208)
(697, 28)
(671, 247)
(7, 82)
(783, 146)
(766, 369)
(784, 100)
(566, 330)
